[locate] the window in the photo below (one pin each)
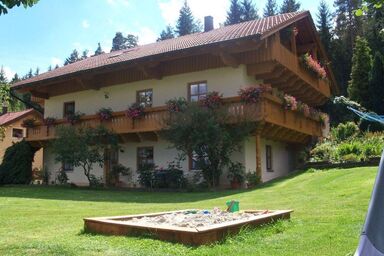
(67, 167)
(197, 91)
(69, 109)
(144, 97)
(17, 133)
(268, 154)
(144, 156)
(193, 161)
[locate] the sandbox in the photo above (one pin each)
(192, 227)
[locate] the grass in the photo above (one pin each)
(329, 206)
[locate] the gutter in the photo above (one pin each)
(26, 103)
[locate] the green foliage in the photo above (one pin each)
(62, 177)
(186, 23)
(252, 179)
(241, 11)
(74, 57)
(376, 85)
(95, 182)
(99, 50)
(119, 42)
(348, 144)
(45, 175)
(290, 6)
(236, 172)
(345, 131)
(118, 170)
(358, 88)
(167, 33)
(270, 8)
(324, 25)
(208, 134)
(16, 167)
(6, 5)
(83, 147)
(146, 175)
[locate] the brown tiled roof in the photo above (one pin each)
(256, 28)
(13, 116)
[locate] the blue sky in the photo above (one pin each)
(48, 32)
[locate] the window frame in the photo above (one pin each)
(63, 165)
(145, 91)
(268, 158)
(189, 86)
(138, 162)
(22, 133)
(65, 104)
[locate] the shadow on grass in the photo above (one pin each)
(125, 196)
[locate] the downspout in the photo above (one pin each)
(26, 103)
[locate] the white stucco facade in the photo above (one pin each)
(227, 81)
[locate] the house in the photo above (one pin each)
(14, 131)
(263, 51)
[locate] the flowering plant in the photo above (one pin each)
(212, 100)
(176, 104)
(49, 121)
(290, 102)
(74, 118)
(105, 114)
(304, 108)
(135, 111)
(252, 94)
(314, 66)
(29, 123)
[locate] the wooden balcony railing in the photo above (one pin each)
(280, 67)
(268, 110)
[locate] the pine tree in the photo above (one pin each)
(270, 8)
(29, 74)
(15, 79)
(118, 42)
(290, 6)
(57, 66)
(131, 41)
(99, 50)
(3, 78)
(72, 58)
(324, 25)
(248, 11)
(37, 72)
(358, 88)
(49, 68)
(376, 86)
(186, 23)
(234, 13)
(167, 33)
(84, 54)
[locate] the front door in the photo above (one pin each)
(111, 158)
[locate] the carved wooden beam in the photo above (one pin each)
(150, 72)
(41, 95)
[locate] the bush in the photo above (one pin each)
(322, 152)
(171, 177)
(16, 167)
(62, 177)
(236, 172)
(252, 179)
(345, 131)
(146, 175)
(95, 182)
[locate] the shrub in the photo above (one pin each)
(146, 175)
(16, 167)
(345, 131)
(322, 152)
(62, 177)
(252, 179)
(95, 182)
(118, 170)
(45, 175)
(176, 104)
(236, 172)
(74, 118)
(171, 177)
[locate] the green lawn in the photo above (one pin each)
(329, 207)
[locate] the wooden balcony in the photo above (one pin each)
(280, 67)
(274, 122)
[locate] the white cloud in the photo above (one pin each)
(56, 61)
(146, 35)
(9, 73)
(200, 8)
(85, 24)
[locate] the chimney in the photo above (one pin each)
(208, 23)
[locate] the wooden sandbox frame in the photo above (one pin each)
(190, 236)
